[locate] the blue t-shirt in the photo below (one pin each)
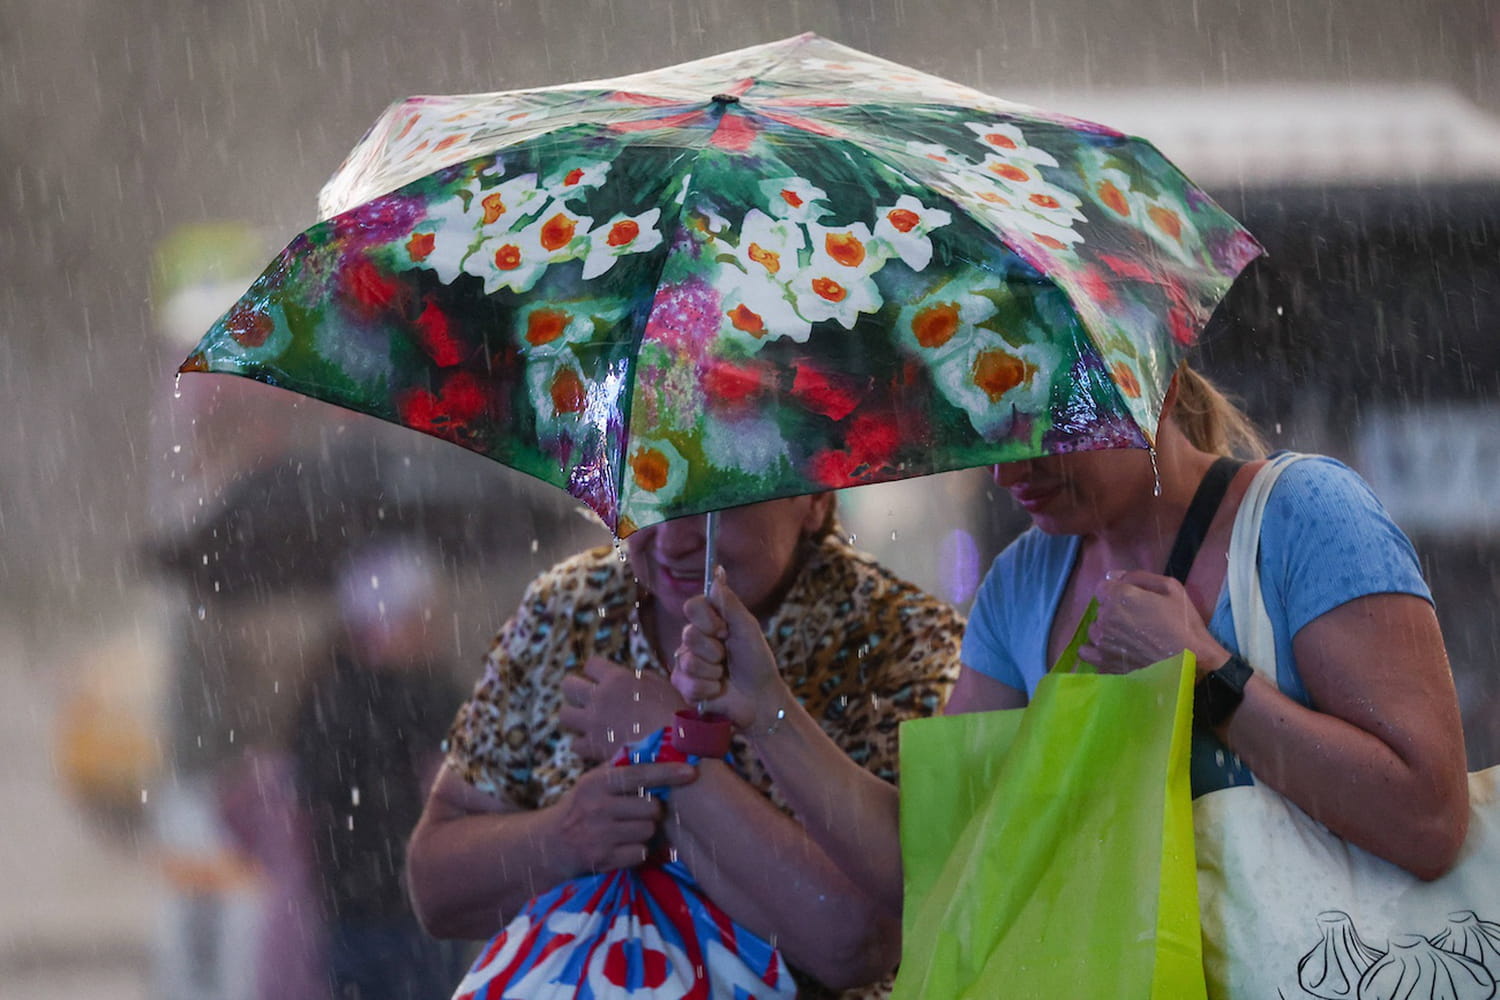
(1325, 540)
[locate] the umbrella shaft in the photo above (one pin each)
(710, 549)
(710, 555)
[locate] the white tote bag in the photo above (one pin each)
(1291, 911)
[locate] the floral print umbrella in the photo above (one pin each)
(786, 269)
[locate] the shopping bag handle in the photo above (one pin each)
(1070, 662)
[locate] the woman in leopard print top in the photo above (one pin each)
(582, 667)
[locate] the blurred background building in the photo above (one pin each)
(153, 155)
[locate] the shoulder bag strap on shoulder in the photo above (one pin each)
(1252, 625)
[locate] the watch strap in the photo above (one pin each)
(1219, 692)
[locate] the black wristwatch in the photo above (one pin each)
(1219, 692)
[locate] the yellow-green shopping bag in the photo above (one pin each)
(1048, 851)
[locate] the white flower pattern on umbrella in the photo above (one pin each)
(1009, 142)
(621, 235)
(559, 393)
(943, 322)
(794, 198)
(656, 474)
(994, 380)
(576, 179)
(517, 260)
(837, 282)
(904, 227)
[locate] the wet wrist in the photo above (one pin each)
(773, 717)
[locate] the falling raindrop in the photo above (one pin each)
(893, 534)
(354, 796)
(177, 449)
(202, 612)
(535, 544)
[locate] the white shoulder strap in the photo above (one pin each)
(1252, 625)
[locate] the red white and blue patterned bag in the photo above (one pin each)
(636, 933)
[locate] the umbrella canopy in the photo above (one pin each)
(785, 269)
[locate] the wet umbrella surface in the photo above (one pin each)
(782, 270)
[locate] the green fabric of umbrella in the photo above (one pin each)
(781, 270)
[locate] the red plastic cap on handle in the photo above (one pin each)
(704, 735)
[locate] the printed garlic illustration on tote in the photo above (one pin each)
(1332, 970)
(1416, 969)
(1458, 963)
(1471, 937)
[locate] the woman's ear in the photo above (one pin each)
(819, 515)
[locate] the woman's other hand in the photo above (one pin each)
(607, 820)
(609, 706)
(1145, 618)
(724, 661)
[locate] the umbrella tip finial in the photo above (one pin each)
(725, 99)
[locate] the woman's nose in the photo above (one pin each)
(681, 535)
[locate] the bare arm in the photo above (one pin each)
(474, 858)
(976, 692)
(851, 815)
(768, 873)
(1380, 762)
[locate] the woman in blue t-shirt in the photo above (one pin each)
(1361, 729)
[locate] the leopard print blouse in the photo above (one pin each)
(861, 649)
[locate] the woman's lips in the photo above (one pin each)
(683, 578)
(1033, 498)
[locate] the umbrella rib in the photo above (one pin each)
(639, 334)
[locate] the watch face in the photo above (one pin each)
(1235, 673)
(1223, 690)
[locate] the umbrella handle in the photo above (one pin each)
(696, 731)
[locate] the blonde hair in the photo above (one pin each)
(1211, 421)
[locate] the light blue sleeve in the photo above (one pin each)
(1006, 637)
